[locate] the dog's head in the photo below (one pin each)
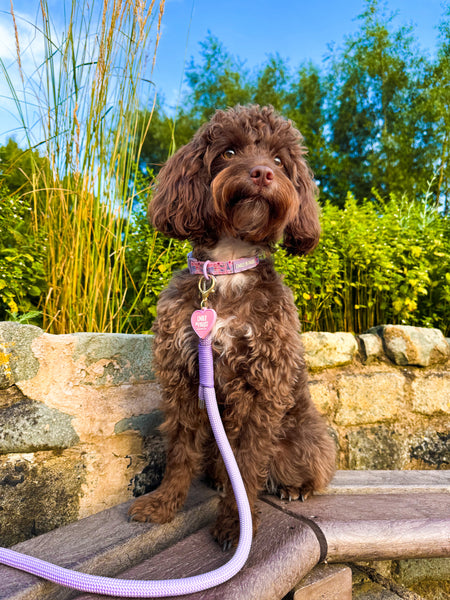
(243, 175)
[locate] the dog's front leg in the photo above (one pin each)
(184, 462)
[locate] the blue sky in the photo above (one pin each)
(298, 30)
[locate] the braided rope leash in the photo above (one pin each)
(202, 321)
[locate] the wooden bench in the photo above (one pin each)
(364, 515)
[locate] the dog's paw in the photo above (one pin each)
(152, 508)
(215, 484)
(290, 493)
(226, 533)
(226, 530)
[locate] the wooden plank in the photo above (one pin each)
(284, 550)
(378, 527)
(325, 582)
(387, 540)
(105, 544)
(389, 482)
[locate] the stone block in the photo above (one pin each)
(376, 448)
(369, 398)
(325, 350)
(323, 396)
(371, 347)
(364, 588)
(430, 449)
(119, 357)
(406, 345)
(431, 394)
(110, 465)
(145, 424)
(17, 361)
(29, 426)
(327, 582)
(82, 386)
(412, 571)
(39, 492)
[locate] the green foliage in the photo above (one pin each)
(375, 108)
(381, 262)
(219, 82)
(151, 260)
(22, 259)
(17, 167)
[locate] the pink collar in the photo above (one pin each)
(229, 267)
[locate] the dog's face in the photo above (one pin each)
(244, 176)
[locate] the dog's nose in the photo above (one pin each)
(261, 175)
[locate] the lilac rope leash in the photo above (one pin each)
(170, 587)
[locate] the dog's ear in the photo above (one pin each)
(179, 205)
(302, 234)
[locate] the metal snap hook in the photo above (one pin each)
(206, 290)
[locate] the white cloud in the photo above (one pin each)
(30, 40)
(32, 53)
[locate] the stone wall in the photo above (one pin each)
(79, 414)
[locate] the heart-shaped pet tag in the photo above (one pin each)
(203, 321)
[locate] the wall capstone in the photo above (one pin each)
(371, 347)
(324, 350)
(406, 345)
(17, 361)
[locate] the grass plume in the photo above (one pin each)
(85, 94)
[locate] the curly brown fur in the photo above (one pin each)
(238, 187)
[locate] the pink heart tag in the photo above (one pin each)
(203, 321)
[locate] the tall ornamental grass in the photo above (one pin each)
(82, 101)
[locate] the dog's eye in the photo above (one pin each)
(229, 153)
(277, 160)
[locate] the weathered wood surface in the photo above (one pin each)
(356, 526)
(389, 482)
(379, 526)
(284, 550)
(105, 543)
(325, 582)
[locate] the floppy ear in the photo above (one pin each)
(179, 207)
(303, 232)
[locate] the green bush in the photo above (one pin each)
(22, 274)
(383, 262)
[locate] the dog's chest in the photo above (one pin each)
(230, 332)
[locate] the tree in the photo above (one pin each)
(272, 84)
(156, 145)
(375, 116)
(305, 106)
(374, 110)
(439, 113)
(218, 81)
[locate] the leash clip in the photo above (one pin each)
(205, 291)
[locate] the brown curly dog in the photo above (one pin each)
(241, 185)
